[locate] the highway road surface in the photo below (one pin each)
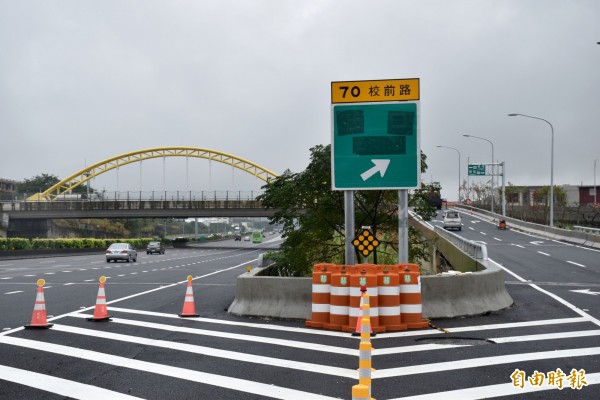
(147, 351)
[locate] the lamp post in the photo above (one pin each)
(551, 162)
(490, 142)
(595, 190)
(447, 147)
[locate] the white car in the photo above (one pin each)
(121, 251)
(451, 220)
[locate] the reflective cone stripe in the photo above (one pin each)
(100, 311)
(38, 318)
(388, 290)
(357, 328)
(365, 324)
(364, 367)
(189, 306)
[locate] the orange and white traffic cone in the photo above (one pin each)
(359, 318)
(363, 314)
(189, 308)
(38, 319)
(100, 311)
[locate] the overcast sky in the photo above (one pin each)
(83, 81)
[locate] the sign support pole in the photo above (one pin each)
(503, 189)
(349, 225)
(403, 225)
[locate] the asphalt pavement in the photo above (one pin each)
(148, 352)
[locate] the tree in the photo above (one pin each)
(312, 215)
(41, 183)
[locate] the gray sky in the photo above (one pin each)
(82, 81)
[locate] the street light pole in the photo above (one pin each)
(490, 142)
(551, 162)
(595, 190)
(447, 147)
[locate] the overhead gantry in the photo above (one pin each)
(80, 177)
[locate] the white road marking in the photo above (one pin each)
(88, 280)
(497, 239)
(579, 265)
(537, 242)
(212, 352)
(483, 233)
(68, 284)
(16, 291)
(471, 228)
(60, 386)
(235, 336)
(544, 254)
(8, 277)
(49, 273)
(546, 336)
(28, 275)
(519, 246)
(242, 385)
(484, 362)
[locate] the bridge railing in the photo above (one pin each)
(155, 195)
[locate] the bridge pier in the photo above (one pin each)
(29, 228)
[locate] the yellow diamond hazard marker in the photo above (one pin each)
(365, 242)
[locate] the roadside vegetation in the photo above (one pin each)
(312, 217)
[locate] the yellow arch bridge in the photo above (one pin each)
(80, 177)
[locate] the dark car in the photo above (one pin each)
(238, 237)
(155, 247)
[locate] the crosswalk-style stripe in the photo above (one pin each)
(212, 352)
(503, 389)
(236, 336)
(59, 386)
(484, 362)
(236, 323)
(241, 385)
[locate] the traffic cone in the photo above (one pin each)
(359, 318)
(363, 314)
(38, 319)
(189, 308)
(100, 312)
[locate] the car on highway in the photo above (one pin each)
(155, 247)
(452, 220)
(246, 238)
(237, 237)
(121, 251)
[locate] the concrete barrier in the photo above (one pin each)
(272, 296)
(444, 296)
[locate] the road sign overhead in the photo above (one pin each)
(477, 169)
(375, 91)
(375, 146)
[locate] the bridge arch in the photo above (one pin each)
(87, 173)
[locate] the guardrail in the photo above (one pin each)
(585, 229)
(565, 235)
(476, 250)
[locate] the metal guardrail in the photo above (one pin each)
(476, 250)
(593, 231)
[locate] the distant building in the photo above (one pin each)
(586, 194)
(526, 195)
(8, 185)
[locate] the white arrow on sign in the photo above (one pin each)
(380, 166)
(585, 291)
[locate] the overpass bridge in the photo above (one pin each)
(29, 217)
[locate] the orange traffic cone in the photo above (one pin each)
(364, 300)
(38, 319)
(100, 312)
(189, 308)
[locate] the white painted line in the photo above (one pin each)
(60, 386)
(502, 389)
(8, 277)
(235, 336)
(579, 265)
(28, 275)
(471, 228)
(66, 271)
(484, 362)
(483, 233)
(555, 297)
(419, 347)
(68, 284)
(212, 352)
(497, 239)
(88, 280)
(49, 273)
(235, 323)
(486, 327)
(16, 291)
(519, 246)
(241, 385)
(544, 254)
(537, 242)
(546, 336)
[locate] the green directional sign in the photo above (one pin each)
(476, 169)
(375, 146)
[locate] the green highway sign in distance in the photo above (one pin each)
(476, 169)
(375, 146)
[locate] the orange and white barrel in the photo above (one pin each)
(339, 309)
(321, 296)
(410, 299)
(367, 279)
(388, 296)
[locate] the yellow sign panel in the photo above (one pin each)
(375, 91)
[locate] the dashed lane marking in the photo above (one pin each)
(577, 264)
(544, 254)
(16, 291)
